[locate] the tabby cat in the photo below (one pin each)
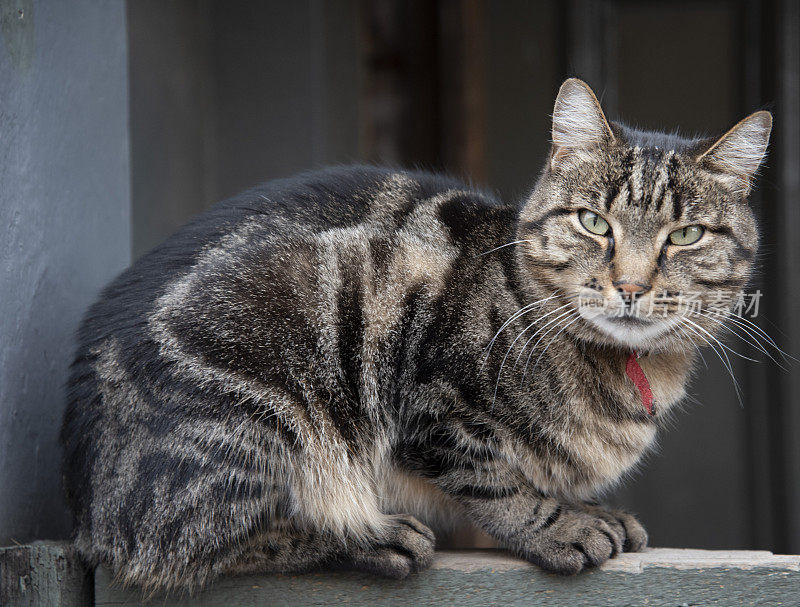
(315, 372)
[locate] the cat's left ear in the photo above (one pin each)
(578, 121)
(739, 152)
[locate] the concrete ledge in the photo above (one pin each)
(657, 577)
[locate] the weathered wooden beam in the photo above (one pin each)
(44, 573)
(462, 90)
(656, 577)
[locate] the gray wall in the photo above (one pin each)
(64, 227)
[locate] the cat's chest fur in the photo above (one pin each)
(596, 428)
(579, 448)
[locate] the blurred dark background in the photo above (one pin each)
(224, 94)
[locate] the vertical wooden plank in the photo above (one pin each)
(761, 451)
(524, 43)
(263, 70)
(462, 73)
(591, 47)
(173, 160)
(399, 107)
(227, 94)
(775, 457)
(787, 157)
(318, 83)
(343, 78)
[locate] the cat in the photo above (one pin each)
(317, 371)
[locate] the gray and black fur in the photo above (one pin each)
(303, 374)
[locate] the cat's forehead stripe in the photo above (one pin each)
(647, 179)
(659, 186)
(636, 177)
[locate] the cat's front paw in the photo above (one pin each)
(571, 540)
(634, 534)
(405, 547)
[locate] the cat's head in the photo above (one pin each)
(640, 235)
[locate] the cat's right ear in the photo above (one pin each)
(738, 153)
(578, 121)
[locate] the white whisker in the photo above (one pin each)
(521, 312)
(691, 342)
(539, 330)
(725, 361)
(508, 244)
(722, 345)
(746, 322)
(753, 341)
(511, 347)
(549, 343)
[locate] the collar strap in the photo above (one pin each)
(635, 372)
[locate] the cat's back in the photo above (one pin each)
(281, 269)
(282, 227)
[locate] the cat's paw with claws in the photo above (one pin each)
(405, 547)
(585, 537)
(626, 525)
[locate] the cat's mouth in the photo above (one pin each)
(629, 330)
(630, 321)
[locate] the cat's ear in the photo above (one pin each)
(739, 152)
(578, 120)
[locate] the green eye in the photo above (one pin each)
(687, 235)
(593, 222)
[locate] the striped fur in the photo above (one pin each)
(314, 372)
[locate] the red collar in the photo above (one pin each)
(634, 371)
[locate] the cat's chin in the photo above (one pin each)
(631, 332)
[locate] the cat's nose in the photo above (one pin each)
(630, 288)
